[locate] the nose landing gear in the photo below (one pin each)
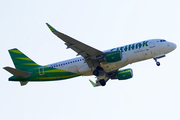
(158, 57)
(157, 63)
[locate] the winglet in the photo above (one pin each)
(51, 28)
(92, 83)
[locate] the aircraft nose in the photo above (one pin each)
(173, 46)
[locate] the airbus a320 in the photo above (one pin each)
(104, 65)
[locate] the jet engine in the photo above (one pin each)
(123, 74)
(113, 56)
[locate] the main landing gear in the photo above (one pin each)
(102, 82)
(100, 74)
(98, 70)
(157, 63)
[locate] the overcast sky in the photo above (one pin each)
(153, 92)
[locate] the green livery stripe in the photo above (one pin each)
(54, 71)
(21, 61)
(34, 64)
(57, 77)
(15, 51)
(49, 74)
(24, 58)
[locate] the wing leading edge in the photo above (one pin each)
(88, 52)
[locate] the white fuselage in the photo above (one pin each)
(130, 53)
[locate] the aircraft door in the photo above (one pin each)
(151, 44)
(41, 70)
(152, 50)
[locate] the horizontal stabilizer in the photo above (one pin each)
(16, 72)
(23, 83)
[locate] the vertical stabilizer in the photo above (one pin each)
(21, 61)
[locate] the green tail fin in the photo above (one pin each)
(21, 61)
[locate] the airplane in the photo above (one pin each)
(104, 65)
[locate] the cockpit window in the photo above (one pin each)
(162, 40)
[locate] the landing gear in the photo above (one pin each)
(101, 75)
(157, 63)
(96, 72)
(102, 82)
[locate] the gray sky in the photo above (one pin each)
(153, 92)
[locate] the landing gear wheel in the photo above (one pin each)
(102, 82)
(158, 63)
(96, 72)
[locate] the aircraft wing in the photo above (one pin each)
(88, 52)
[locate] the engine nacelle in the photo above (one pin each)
(113, 56)
(124, 74)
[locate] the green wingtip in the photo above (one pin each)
(92, 83)
(51, 28)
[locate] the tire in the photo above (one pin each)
(95, 72)
(158, 64)
(102, 82)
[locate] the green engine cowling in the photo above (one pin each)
(125, 74)
(113, 56)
